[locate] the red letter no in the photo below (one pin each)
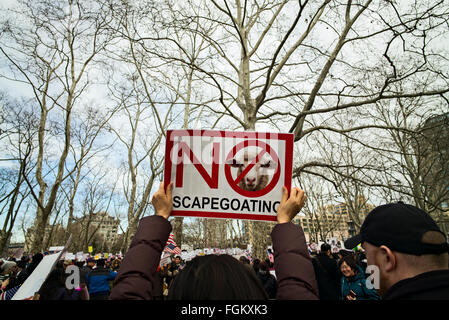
(211, 180)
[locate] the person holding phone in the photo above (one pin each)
(353, 281)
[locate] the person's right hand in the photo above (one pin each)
(162, 201)
(290, 206)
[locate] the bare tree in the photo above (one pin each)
(283, 62)
(50, 46)
(141, 115)
(18, 141)
(416, 166)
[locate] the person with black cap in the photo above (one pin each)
(409, 250)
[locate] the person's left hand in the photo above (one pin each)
(162, 201)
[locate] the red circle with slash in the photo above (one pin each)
(234, 182)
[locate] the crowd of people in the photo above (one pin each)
(404, 243)
(95, 278)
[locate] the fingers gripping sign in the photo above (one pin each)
(290, 205)
(162, 200)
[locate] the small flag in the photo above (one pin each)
(171, 246)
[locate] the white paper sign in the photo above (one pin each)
(228, 174)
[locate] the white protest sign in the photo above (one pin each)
(34, 282)
(165, 259)
(69, 256)
(80, 256)
(227, 174)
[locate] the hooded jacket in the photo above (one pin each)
(433, 285)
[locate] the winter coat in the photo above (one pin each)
(134, 280)
(433, 285)
(98, 281)
(84, 271)
(293, 266)
(328, 277)
(292, 263)
(269, 283)
(357, 283)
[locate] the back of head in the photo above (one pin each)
(37, 258)
(325, 248)
(344, 253)
(216, 277)
(428, 262)
(263, 266)
(7, 266)
(54, 281)
(244, 259)
(100, 263)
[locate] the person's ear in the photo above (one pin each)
(389, 260)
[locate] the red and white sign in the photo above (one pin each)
(227, 174)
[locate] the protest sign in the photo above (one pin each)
(80, 256)
(69, 256)
(90, 249)
(165, 259)
(34, 282)
(227, 174)
(55, 249)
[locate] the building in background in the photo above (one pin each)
(331, 221)
(102, 225)
(54, 236)
(431, 147)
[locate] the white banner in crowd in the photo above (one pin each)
(34, 282)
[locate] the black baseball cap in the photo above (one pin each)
(400, 227)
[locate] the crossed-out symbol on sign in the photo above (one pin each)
(234, 182)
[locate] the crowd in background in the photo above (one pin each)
(97, 276)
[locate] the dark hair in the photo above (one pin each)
(256, 263)
(244, 259)
(325, 247)
(350, 261)
(52, 284)
(216, 277)
(344, 253)
(100, 262)
(263, 266)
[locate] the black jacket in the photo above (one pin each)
(328, 277)
(433, 285)
(269, 284)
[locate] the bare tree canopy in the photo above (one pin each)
(93, 87)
